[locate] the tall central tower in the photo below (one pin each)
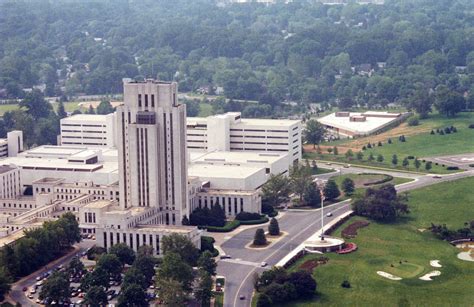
(152, 150)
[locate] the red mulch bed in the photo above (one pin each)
(351, 230)
(310, 265)
(348, 248)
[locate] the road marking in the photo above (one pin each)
(271, 255)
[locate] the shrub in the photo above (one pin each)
(263, 219)
(345, 284)
(247, 216)
(471, 126)
(389, 141)
(274, 228)
(453, 129)
(364, 148)
(441, 132)
(447, 130)
(273, 213)
(229, 226)
(410, 157)
(471, 165)
(369, 145)
(379, 144)
(413, 121)
(452, 168)
(259, 238)
(432, 132)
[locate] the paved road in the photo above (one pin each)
(239, 270)
(299, 226)
(17, 294)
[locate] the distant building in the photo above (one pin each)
(348, 124)
(89, 130)
(12, 145)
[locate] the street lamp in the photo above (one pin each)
(321, 184)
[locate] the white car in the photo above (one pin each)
(263, 264)
(329, 214)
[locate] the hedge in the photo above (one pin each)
(275, 212)
(386, 179)
(452, 168)
(229, 226)
(264, 219)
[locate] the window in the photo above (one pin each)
(139, 100)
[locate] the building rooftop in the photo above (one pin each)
(222, 171)
(86, 118)
(372, 121)
(235, 157)
(6, 168)
(99, 204)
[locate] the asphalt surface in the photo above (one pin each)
(17, 294)
(300, 226)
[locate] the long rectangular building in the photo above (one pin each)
(90, 130)
(229, 132)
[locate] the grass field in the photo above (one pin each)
(419, 143)
(403, 250)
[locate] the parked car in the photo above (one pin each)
(329, 214)
(437, 177)
(225, 257)
(242, 297)
(263, 264)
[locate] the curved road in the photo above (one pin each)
(299, 226)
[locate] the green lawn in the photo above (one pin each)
(419, 145)
(7, 107)
(403, 250)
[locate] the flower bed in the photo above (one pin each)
(351, 230)
(349, 248)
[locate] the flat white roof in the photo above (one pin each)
(269, 123)
(222, 171)
(368, 126)
(86, 118)
(236, 157)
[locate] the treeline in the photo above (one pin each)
(39, 246)
(346, 56)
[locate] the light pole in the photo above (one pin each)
(321, 184)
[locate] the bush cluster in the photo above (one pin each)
(248, 216)
(208, 217)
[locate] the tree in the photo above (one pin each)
(61, 111)
(174, 267)
(5, 284)
(105, 107)
(381, 204)
(405, 162)
(273, 227)
(276, 190)
(331, 190)
(312, 196)
(96, 297)
(394, 160)
(125, 254)
(132, 296)
(111, 264)
(203, 292)
(348, 186)
(300, 178)
(207, 263)
(96, 278)
(75, 267)
(56, 287)
(421, 101)
(135, 276)
(428, 165)
(264, 301)
(360, 155)
(171, 292)
(185, 221)
(314, 132)
(335, 151)
(36, 105)
(379, 158)
(90, 110)
(349, 154)
(448, 102)
(304, 283)
(371, 157)
(181, 245)
(417, 164)
(259, 238)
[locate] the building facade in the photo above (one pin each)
(89, 130)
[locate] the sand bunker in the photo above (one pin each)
(427, 277)
(388, 275)
(466, 256)
(435, 264)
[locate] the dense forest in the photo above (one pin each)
(402, 52)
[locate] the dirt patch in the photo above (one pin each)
(310, 265)
(351, 230)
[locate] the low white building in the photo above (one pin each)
(91, 130)
(349, 124)
(230, 132)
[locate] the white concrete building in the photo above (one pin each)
(229, 132)
(348, 124)
(152, 150)
(10, 182)
(12, 145)
(89, 130)
(73, 163)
